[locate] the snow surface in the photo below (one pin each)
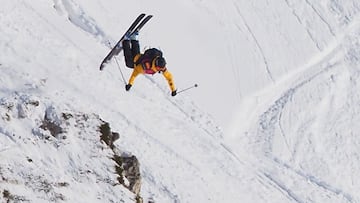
(274, 119)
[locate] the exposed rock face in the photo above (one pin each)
(107, 136)
(132, 173)
(128, 166)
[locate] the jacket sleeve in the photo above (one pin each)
(133, 76)
(169, 78)
(137, 70)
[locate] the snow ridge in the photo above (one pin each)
(79, 18)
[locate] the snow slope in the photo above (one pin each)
(281, 79)
(305, 127)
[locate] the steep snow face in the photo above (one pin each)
(285, 73)
(49, 64)
(305, 125)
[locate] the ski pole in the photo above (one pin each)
(122, 75)
(186, 89)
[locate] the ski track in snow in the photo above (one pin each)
(268, 122)
(283, 189)
(268, 179)
(315, 181)
(305, 27)
(321, 17)
(272, 117)
(256, 43)
(156, 184)
(307, 24)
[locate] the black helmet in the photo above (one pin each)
(160, 62)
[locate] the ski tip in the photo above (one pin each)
(196, 85)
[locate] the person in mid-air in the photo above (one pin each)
(150, 62)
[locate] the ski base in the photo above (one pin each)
(136, 26)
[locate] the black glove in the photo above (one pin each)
(127, 87)
(173, 93)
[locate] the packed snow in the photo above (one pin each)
(274, 118)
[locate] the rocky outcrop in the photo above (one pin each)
(47, 126)
(127, 166)
(131, 167)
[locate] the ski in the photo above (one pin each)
(133, 31)
(138, 28)
(117, 48)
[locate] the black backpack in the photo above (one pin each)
(149, 55)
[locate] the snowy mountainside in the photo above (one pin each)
(275, 40)
(284, 73)
(50, 70)
(304, 129)
(42, 161)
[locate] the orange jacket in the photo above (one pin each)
(151, 69)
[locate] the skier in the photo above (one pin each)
(150, 62)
